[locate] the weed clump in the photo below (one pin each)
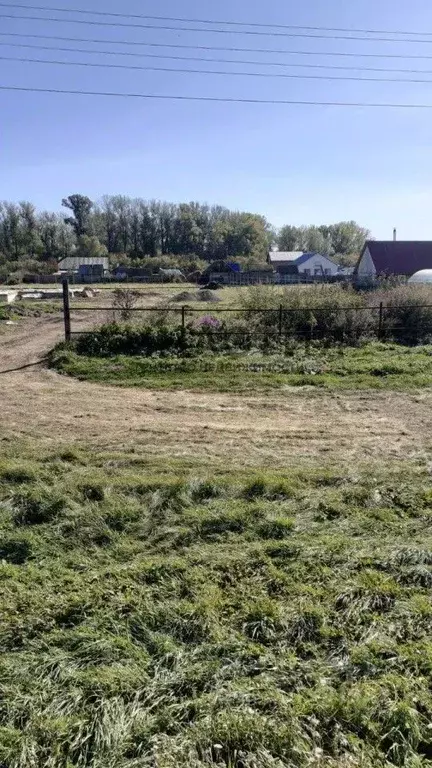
(37, 506)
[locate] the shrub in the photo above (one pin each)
(316, 311)
(125, 299)
(114, 339)
(408, 313)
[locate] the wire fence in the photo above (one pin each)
(345, 324)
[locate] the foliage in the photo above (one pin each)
(408, 313)
(115, 339)
(340, 314)
(344, 238)
(125, 299)
(81, 207)
(153, 617)
(90, 247)
(153, 234)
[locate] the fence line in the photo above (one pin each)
(279, 313)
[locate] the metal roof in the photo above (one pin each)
(285, 255)
(400, 257)
(296, 257)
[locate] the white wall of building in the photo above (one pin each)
(366, 267)
(318, 266)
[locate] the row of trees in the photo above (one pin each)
(344, 239)
(134, 230)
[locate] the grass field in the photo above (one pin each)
(236, 579)
(372, 366)
(157, 614)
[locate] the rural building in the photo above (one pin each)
(394, 257)
(80, 263)
(304, 264)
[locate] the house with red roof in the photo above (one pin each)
(394, 257)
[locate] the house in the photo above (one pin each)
(304, 264)
(77, 263)
(223, 272)
(394, 257)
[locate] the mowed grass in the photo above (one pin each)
(151, 615)
(372, 366)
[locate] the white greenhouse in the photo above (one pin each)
(424, 276)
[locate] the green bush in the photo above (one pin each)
(407, 314)
(327, 313)
(115, 339)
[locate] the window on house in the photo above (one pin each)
(317, 271)
(306, 271)
(327, 271)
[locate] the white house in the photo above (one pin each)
(306, 264)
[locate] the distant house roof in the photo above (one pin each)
(400, 257)
(287, 256)
(294, 257)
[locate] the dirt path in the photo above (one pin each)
(274, 430)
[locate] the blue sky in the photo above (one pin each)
(294, 164)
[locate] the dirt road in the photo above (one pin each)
(275, 430)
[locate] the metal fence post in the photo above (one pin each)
(380, 322)
(183, 318)
(66, 310)
(280, 320)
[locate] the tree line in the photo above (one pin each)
(132, 231)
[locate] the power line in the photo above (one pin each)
(254, 62)
(216, 30)
(213, 21)
(290, 76)
(217, 99)
(219, 48)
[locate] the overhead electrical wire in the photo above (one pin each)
(218, 99)
(207, 60)
(215, 30)
(212, 21)
(271, 75)
(281, 52)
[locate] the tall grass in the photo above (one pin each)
(337, 313)
(271, 620)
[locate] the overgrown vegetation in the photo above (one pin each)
(372, 366)
(151, 616)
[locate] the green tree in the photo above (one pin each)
(81, 207)
(288, 238)
(30, 235)
(347, 237)
(57, 238)
(89, 247)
